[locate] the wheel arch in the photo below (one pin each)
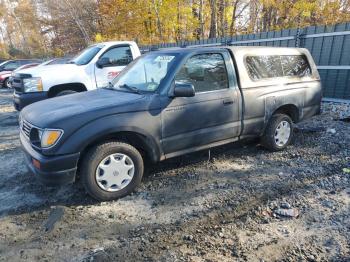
(142, 142)
(78, 87)
(290, 110)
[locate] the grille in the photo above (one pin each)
(17, 82)
(17, 85)
(26, 128)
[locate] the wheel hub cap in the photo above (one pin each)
(282, 133)
(115, 172)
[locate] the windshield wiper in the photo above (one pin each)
(130, 88)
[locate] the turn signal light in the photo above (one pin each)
(36, 163)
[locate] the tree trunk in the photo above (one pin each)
(221, 14)
(198, 14)
(159, 24)
(178, 30)
(233, 21)
(213, 20)
(253, 10)
(201, 20)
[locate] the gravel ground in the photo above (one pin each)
(241, 204)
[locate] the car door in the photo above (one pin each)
(119, 57)
(210, 116)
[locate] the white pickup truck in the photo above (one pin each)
(93, 68)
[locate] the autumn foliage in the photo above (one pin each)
(43, 28)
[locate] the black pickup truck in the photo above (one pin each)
(165, 104)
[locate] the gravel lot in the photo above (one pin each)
(192, 208)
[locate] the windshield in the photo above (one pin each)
(146, 73)
(86, 55)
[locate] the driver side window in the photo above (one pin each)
(119, 56)
(206, 72)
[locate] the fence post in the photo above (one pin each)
(297, 36)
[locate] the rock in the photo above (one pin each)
(56, 215)
(188, 237)
(331, 131)
(346, 170)
(328, 203)
(221, 234)
(286, 205)
(291, 212)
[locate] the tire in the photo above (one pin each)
(272, 139)
(7, 83)
(91, 170)
(65, 92)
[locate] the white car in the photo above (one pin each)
(93, 68)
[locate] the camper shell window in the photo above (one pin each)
(271, 66)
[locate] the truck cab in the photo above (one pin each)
(92, 68)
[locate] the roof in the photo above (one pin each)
(110, 43)
(263, 50)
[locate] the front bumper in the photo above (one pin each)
(20, 100)
(54, 170)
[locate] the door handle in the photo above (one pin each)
(228, 102)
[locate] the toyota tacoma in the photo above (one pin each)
(165, 104)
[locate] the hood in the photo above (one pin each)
(5, 73)
(77, 109)
(47, 69)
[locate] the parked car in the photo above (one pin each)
(166, 104)
(92, 68)
(11, 65)
(6, 76)
(57, 61)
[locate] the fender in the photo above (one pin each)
(110, 126)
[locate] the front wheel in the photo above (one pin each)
(7, 83)
(278, 133)
(111, 170)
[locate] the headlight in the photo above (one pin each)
(33, 84)
(49, 137)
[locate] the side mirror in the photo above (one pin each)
(103, 62)
(184, 90)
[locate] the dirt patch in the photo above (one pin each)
(190, 208)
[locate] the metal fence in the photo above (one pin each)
(329, 46)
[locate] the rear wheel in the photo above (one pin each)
(66, 92)
(278, 133)
(111, 170)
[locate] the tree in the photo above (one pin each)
(39, 28)
(213, 19)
